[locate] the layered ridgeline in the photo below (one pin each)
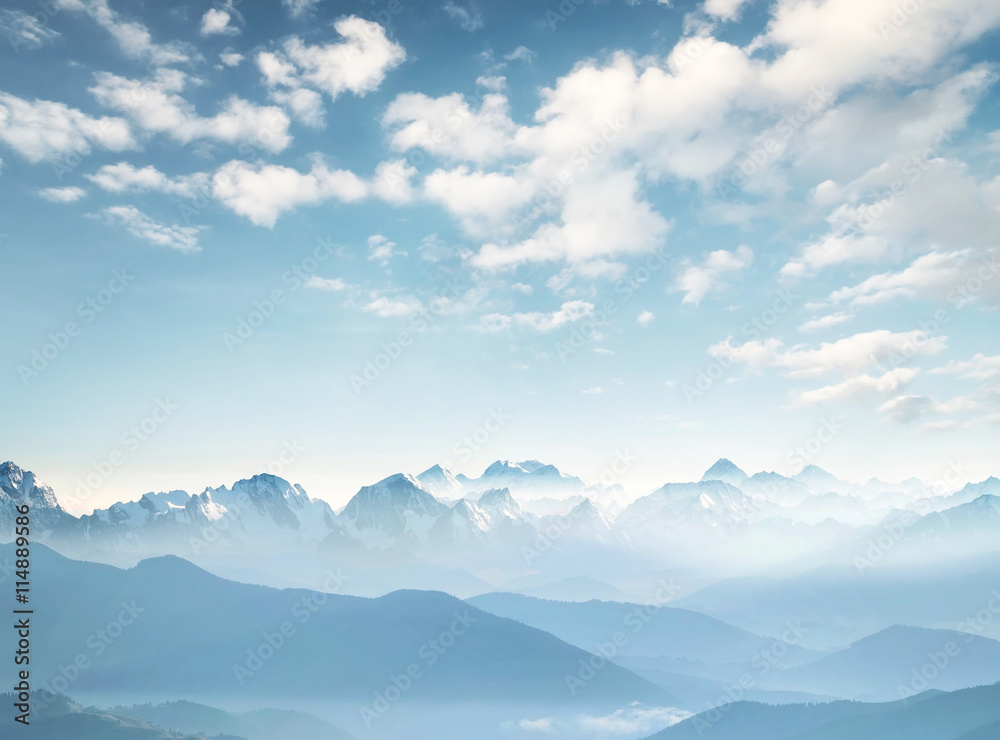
(166, 630)
(525, 527)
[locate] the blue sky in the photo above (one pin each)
(361, 230)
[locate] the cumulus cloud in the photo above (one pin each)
(216, 22)
(62, 195)
(44, 130)
(124, 177)
(860, 387)
(182, 238)
(392, 181)
(645, 318)
(956, 277)
(22, 29)
(328, 284)
(824, 322)
(358, 65)
(467, 16)
(133, 38)
(568, 312)
(230, 58)
(449, 127)
(727, 10)
(381, 249)
(698, 280)
(155, 104)
(299, 8)
(847, 356)
(980, 367)
(599, 218)
(261, 193)
(392, 308)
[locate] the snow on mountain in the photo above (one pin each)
(18, 486)
(711, 504)
(394, 507)
(441, 483)
(462, 526)
(820, 481)
(497, 504)
(725, 471)
(527, 479)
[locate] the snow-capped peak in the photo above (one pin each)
(725, 471)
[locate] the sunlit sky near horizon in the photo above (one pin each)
(394, 234)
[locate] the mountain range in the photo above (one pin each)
(474, 535)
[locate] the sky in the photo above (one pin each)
(339, 240)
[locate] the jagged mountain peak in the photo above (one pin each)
(725, 470)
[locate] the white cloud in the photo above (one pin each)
(216, 22)
(727, 10)
(45, 130)
(381, 249)
(848, 356)
(449, 127)
(860, 387)
(905, 409)
(645, 318)
(392, 181)
(261, 193)
(181, 238)
(522, 288)
(388, 308)
(697, 281)
(124, 177)
(521, 53)
(468, 16)
(298, 8)
(22, 29)
(538, 321)
(599, 218)
(596, 390)
(62, 195)
(824, 322)
(230, 58)
(545, 322)
(980, 367)
(482, 201)
(133, 38)
(156, 105)
(329, 284)
(358, 64)
(956, 277)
